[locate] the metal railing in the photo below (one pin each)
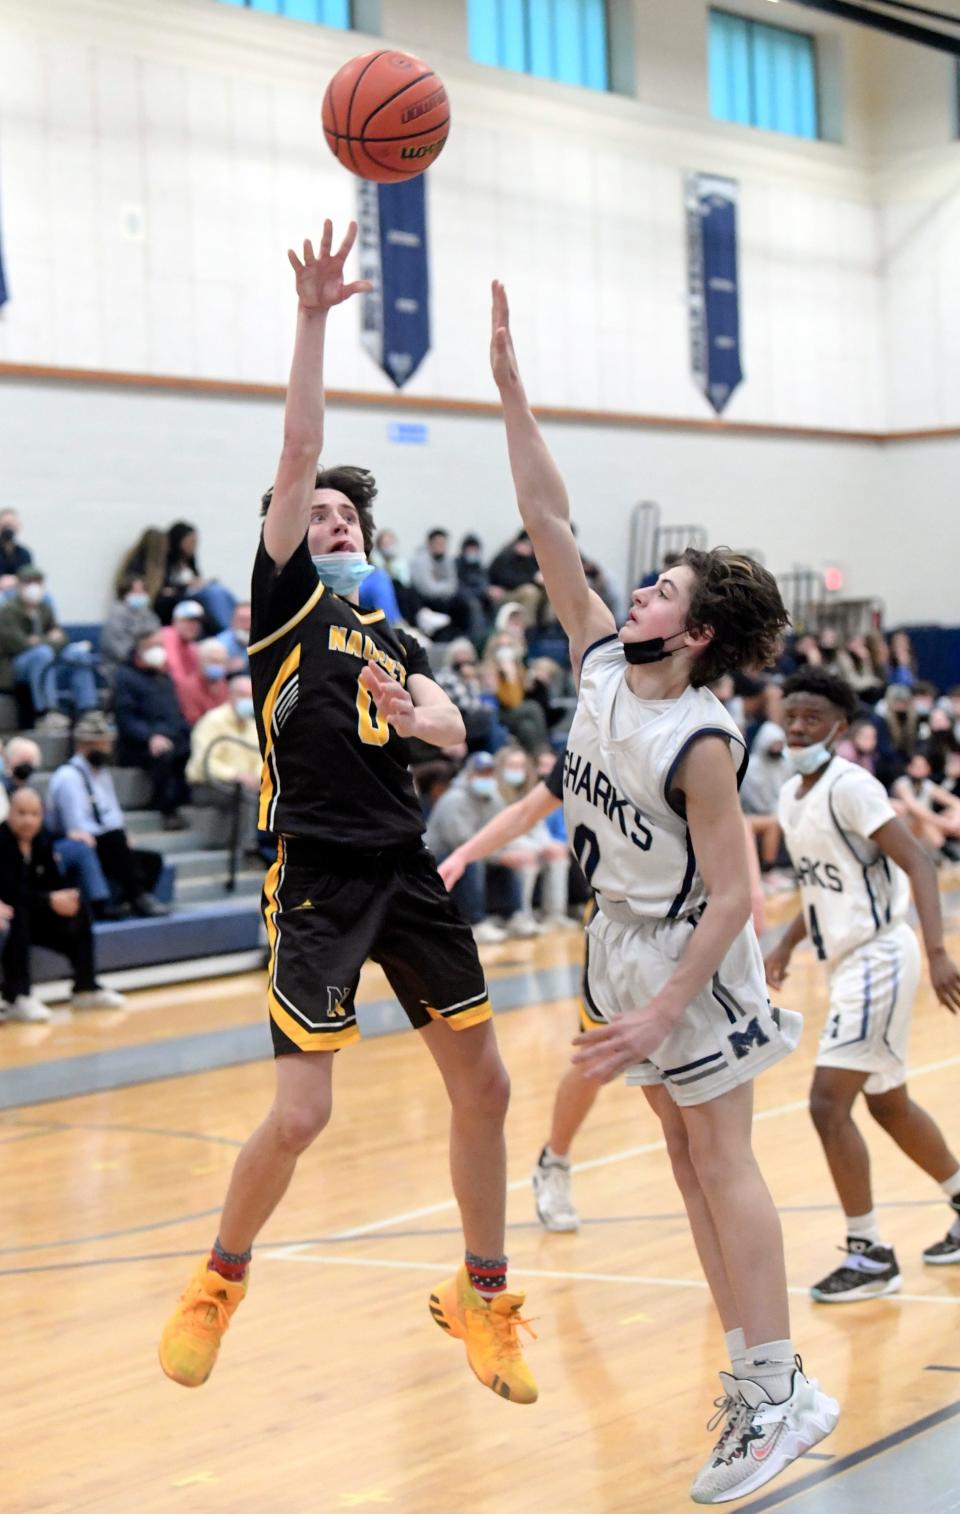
(235, 793)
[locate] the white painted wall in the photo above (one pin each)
(157, 157)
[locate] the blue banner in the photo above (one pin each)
(714, 297)
(395, 315)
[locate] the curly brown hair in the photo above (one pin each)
(740, 602)
(358, 484)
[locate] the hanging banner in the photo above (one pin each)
(395, 315)
(711, 204)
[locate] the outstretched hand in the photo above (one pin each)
(393, 703)
(503, 359)
(610, 1049)
(320, 283)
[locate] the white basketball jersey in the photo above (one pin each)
(850, 890)
(619, 770)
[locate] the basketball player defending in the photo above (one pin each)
(651, 806)
(854, 858)
(338, 694)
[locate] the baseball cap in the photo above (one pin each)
(188, 609)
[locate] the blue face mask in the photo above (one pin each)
(244, 708)
(810, 759)
(484, 788)
(514, 776)
(342, 571)
(214, 673)
(138, 601)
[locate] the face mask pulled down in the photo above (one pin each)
(341, 571)
(810, 759)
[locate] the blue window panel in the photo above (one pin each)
(762, 75)
(552, 39)
(272, 6)
(323, 12)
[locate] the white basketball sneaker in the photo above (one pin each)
(551, 1189)
(761, 1438)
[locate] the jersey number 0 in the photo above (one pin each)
(372, 730)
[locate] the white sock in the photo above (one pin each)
(549, 1158)
(555, 886)
(864, 1227)
(772, 1365)
(736, 1349)
(528, 882)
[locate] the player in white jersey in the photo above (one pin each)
(675, 969)
(853, 857)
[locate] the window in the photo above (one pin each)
(763, 75)
(553, 39)
(323, 12)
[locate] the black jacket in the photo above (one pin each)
(23, 883)
(145, 704)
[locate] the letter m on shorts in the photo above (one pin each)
(742, 1040)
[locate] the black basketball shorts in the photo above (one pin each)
(327, 909)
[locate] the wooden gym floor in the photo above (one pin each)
(334, 1389)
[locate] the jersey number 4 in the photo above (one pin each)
(372, 730)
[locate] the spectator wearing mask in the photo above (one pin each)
(45, 912)
(866, 674)
(131, 617)
(433, 574)
(504, 674)
(183, 580)
(941, 739)
(460, 679)
(860, 745)
(897, 732)
(378, 592)
(767, 772)
(470, 801)
(515, 570)
(225, 759)
(75, 855)
(189, 673)
(152, 732)
(34, 650)
(473, 576)
(13, 556)
(81, 799)
(147, 560)
(235, 640)
(386, 554)
(536, 854)
(931, 812)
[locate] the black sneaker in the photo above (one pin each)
(942, 1253)
(869, 1272)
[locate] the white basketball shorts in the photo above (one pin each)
(726, 1036)
(872, 990)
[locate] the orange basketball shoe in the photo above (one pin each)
(488, 1328)
(191, 1337)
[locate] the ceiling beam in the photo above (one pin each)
(908, 31)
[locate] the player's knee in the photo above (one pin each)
(493, 1093)
(827, 1114)
(298, 1124)
(678, 1150)
(887, 1111)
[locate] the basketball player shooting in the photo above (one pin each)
(650, 802)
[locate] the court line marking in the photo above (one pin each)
(592, 1165)
(285, 1254)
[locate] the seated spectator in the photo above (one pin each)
(76, 855)
(34, 650)
(130, 619)
(859, 745)
(941, 740)
(470, 801)
(433, 575)
(45, 913)
(225, 759)
(235, 639)
(146, 559)
(767, 771)
(195, 690)
(866, 673)
(515, 570)
(460, 678)
(505, 674)
(473, 576)
(152, 732)
(13, 556)
(386, 555)
(431, 779)
(378, 592)
(82, 800)
(182, 580)
(897, 732)
(903, 664)
(539, 857)
(669, 560)
(931, 812)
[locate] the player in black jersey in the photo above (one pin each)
(338, 693)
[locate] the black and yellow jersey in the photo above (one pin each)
(332, 772)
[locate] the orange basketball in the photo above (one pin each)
(386, 116)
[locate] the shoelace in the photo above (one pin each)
(504, 1327)
(724, 1407)
(199, 1311)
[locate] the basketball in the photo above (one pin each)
(386, 116)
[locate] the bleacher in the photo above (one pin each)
(209, 930)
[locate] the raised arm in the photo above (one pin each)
(512, 822)
(542, 498)
(320, 286)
